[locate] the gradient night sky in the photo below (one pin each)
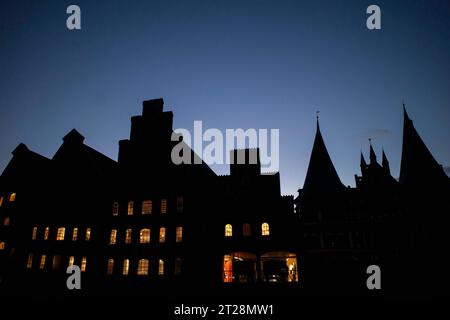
(248, 64)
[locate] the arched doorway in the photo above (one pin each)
(279, 266)
(239, 267)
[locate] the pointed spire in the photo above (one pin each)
(405, 114)
(385, 162)
(321, 175)
(363, 162)
(418, 166)
(373, 156)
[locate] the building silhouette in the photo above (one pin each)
(144, 226)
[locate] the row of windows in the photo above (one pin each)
(11, 198)
(56, 262)
(61, 234)
(144, 235)
(143, 267)
(147, 207)
(246, 230)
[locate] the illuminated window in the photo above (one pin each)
(246, 230)
(163, 206)
(265, 229)
(42, 263)
(75, 234)
(147, 206)
(6, 221)
(30, 261)
(227, 268)
(142, 267)
(83, 264)
(128, 236)
(180, 205)
(228, 230)
(61, 233)
(113, 236)
(179, 234)
(130, 208)
(110, 268)
(88, 234)
(2, 245)
(56, 262)
(12, 197)
(177, 266)
(162, 235)
(126, 267)
(144, 236)
(46, 233)
(161, 267)
(1, 201)
(34, 234)
(71, 261)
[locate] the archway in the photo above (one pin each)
(239, 267)
(279, 266)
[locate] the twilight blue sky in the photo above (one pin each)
(232, 64)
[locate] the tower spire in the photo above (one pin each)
(321, 175)
(362, 162)
(385, 162)
(373, 156)
(418, 166)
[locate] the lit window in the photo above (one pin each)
(227, 268)
(179, 234)
(163, 206)
(177, 266)
(75, 234)
(228, 230)
(12, 197)
(1, 201)
(6, 221)
(61, 233)
(88, 234)
(46, 233)
(144, 236)
(246, 230)
(71, 261)
(126, 267)
(30, 261)
(180, 205)
(161, 267)
(128, 236)
(265, 229)
(130, 208)
(115, 208)
(83, 264)
(42, 263)
(56, 262)
(113, 236)
(2, 245)
(34, 234)
(142, 267)
(110, 268)
(162, 235)
(147, 206)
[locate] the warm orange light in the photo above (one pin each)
(144, 236)
(61, 233)
(228, 230)
(147, 207)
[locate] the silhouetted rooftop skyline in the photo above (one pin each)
(231, 64)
